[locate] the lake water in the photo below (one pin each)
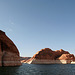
(32, 69)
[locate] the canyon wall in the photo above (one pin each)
(9, 54)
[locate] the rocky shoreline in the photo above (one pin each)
(48, 56)
(34, 61)
(9, 55)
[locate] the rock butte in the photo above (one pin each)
(47, 56)
(9, 54)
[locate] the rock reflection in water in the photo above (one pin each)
(31, 69)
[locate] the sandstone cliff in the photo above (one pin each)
(66, 57)
(9, 54)
(46, 55)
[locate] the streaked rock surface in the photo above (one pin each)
(48, 56)
(9, 54)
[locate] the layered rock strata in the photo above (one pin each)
(47, 56)
(9, 54)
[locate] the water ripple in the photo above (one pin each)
(32, 69)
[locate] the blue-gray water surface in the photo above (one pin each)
(32, 69)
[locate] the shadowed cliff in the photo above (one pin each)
(9, 54)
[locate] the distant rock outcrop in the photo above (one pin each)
(46, 55)
(9, 54)
(24, 59)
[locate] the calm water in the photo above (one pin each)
(31, 69)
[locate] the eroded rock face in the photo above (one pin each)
(58, 53)
(47, 54)
(9, 54)
(66, 57)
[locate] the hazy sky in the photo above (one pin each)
(36, 24)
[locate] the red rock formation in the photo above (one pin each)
(74, 59)
(58, 53)
(44, 54)
(48, 54)
(66, 57)
(9, 54)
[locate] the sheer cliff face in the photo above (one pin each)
(9, 54)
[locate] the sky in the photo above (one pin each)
(36, 24)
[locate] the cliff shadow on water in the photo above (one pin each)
(34, 69)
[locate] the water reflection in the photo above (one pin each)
(8, 70)
(31, 69)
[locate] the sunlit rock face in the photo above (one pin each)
(9, 54)
(48, 56)
(66, 57)
(47, 53)
(58, 53)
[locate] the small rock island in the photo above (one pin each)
(48, 56)
(9, 54)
